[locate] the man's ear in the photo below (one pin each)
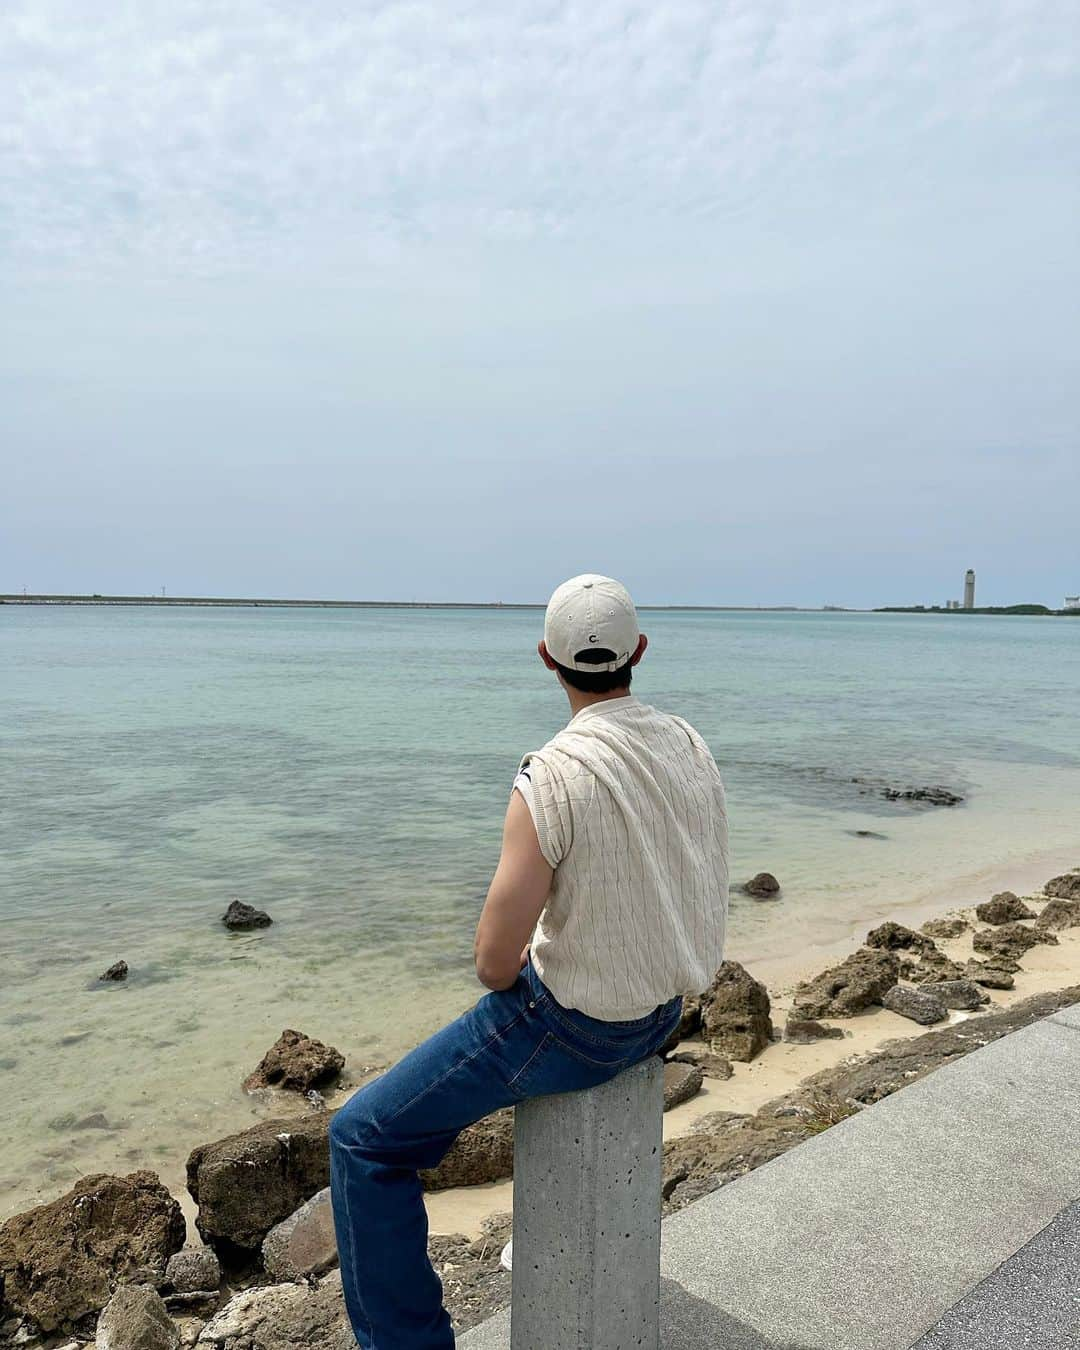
(642, 643)
(541, 647)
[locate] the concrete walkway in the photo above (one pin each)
(943, 1217)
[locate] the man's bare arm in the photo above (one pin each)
(514, 901)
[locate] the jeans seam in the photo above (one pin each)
(458, 1064)
(544, 1041)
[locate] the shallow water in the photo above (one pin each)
(347, 770)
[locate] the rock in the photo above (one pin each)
(62, 1260)
(1065, 887)
(708, 1061)
(866, 834)
(247, 1182)
(932, 796)
(283, 1317)
(195, 1270)
(304, 1243)
(735, 1014)
(681, 1082)
(1011, 939)
(990, 976)
(950, 927)
(240, 916)
(295, 1062)
(931, 969)
(804, 1031)
(914, 1004)
(117, 971)
(1060, 914)
(841, 991)
(690, 1023)
(893, 936)
(495, 1233)
(763, 886)
(97, 1120)
(1005, 907)
(964, 994)
(135, 1318)
(481, 1152)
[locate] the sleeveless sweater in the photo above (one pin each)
(630, 812)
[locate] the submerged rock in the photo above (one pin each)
(295, 1062)
(914, 1004)
(240, 916)
(117, 971)
(62, 1260)
(856, 983)
(1005, 907)
(763, 886)
(735, 1014)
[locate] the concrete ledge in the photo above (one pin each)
(863, 1237)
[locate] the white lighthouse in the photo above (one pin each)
(969, 588)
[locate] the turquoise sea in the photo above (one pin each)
(347, 770)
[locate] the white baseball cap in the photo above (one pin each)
(587, 614)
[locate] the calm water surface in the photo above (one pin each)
(348, 770)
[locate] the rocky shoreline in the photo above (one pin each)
(110, 1260)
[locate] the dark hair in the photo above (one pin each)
(599, 681)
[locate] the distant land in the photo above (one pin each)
(162, 601)
(978, 609)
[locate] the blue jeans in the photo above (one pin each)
(512, 1045)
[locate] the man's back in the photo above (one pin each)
(630, 812)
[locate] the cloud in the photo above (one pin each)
(202, 134)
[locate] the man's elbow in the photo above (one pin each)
(495, 972)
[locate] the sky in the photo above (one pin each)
(741, 302)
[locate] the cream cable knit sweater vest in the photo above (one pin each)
(630, 812)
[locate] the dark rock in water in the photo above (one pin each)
(708, 1061)
(1060, 914)
(481, 1152)
(240, 916)
(763, 886)
(1005, 907)
(1011, 939)
(841, 991)
(63, 1260)
(930, 796)
(866, 834)
(296, 1062)
(805, 1031)
(1065, 887)
(681, 1082)
(894, 936)
(950, 927)
(914, 1004)
(117, 971)
(990, 976)
(735, 1014)
(964, 994)
(247, 1182)
(135, 1318)
(95, 1121)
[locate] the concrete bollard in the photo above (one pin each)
(587, 1216)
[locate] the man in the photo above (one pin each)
(608, 904)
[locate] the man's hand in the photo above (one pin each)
(515, 898)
